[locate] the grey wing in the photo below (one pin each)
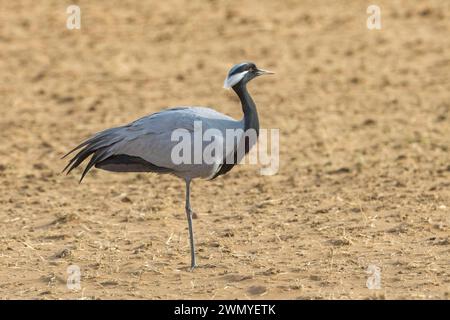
(145, 144)
(114, 141)
(155, 143)
(98, 146)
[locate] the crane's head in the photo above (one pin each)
(243, 73)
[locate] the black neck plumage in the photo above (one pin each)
(251, 122)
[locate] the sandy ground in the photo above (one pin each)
(364, 150)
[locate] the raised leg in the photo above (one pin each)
(189, 218)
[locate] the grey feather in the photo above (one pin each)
(149, 138)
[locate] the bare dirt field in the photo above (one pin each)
(364, 173)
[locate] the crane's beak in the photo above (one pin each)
(261, 72)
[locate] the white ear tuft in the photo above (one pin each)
(232, 80)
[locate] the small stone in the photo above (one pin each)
(256, 290)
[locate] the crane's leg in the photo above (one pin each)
(189, 214)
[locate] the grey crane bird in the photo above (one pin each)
(146, 144)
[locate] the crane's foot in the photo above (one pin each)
(193, 262)
(193, 267)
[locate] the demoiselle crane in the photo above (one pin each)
(146, 145)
